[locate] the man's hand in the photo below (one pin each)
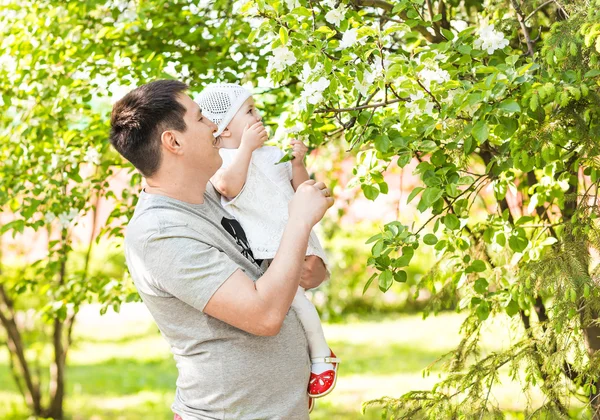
(309, 204)
(299, 150)
(254, 136)
(313, 272)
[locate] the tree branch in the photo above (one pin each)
(357, 108)
(521, 20)
(388, 7)
(537, 9)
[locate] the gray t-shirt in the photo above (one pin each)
(179, 254)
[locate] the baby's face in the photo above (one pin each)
(247, 115)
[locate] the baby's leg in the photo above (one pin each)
(314, 331)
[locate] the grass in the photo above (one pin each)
(121, 368)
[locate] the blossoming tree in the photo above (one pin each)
(485, 96)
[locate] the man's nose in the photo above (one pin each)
(258, 117)
(214, 127)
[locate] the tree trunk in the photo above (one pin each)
(591, 335)
(57, 374)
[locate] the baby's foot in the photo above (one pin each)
(322, 383)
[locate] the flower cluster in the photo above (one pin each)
(490, 39)
(282, 58)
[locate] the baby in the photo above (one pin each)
(256, 191)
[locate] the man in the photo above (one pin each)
(240, 351)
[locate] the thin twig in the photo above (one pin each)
(521, 20)
(357, 108)
(537, 9)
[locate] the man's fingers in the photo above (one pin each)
(320, 185)
(330, 201)
(326, 192)
(310, 182)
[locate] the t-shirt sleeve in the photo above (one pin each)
(186, 267)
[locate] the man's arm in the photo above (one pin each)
(260, 307)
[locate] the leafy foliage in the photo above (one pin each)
(497, 101)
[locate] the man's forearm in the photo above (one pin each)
(278, 286)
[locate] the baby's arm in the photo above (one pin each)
(229, 181)
(299, 172)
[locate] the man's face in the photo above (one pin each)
(199, 145)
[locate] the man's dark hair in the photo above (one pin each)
(140, 117)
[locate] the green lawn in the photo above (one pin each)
(120, 367)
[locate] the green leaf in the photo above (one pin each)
(385, 280)
(287, 157)
(382, 143)
(383, 187)
(451, 221)
(373, 238)
(512, 308)
(477, 266)
(301, 11)
(283, 35)
(377, 248)
(518, 243)
(480, 131)
(483, 310)
(400, 276)
(431, 195)
(510, 106)
(481, 286)
(430, 239)
(414, 193)
(370, 192)
(369, 283)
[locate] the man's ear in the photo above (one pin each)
(170, 142)
(225, 133)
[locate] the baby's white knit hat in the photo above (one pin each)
(220, 102)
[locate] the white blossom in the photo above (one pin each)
(349, 38)
(459, 25)
(49, 217)
(282, 57)
(450, 98)
(292, 4)
(308, 71)
(367, 81)
(490, 39)
(313, 92)
(237, 56)
(415, 108)
(65, 218)
(428, 75)
(295, 129)
(335, 16)
(92, 156)
(55, 161)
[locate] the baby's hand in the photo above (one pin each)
(254, 136)
(299, 150)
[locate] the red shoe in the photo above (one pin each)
(311, 404)
(323, 383)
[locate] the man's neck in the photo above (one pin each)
(176, 185)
